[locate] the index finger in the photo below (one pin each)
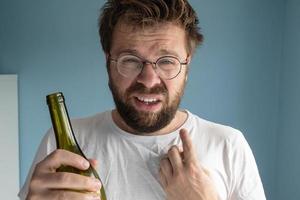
(61, 157)
(188, 147)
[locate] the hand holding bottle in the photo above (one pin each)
(182, 176)
(46, 183)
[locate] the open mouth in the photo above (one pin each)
(148, 101)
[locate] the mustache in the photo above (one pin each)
(140, 88)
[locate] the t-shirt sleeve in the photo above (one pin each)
(247, 183)
(47, 145)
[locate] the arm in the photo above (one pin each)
(247, 183)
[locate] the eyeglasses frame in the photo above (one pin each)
(154, 64)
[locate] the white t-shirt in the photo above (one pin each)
(129, 164)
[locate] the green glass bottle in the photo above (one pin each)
(64, 135)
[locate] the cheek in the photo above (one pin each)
(176, 86)
(173, 90)
(119, 82)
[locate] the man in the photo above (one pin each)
(147, 148)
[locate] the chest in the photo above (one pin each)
(131, 170)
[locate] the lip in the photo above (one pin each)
(149, 96)
(148, 106)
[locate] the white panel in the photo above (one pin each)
(9, 139)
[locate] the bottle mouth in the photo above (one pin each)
(57, 97)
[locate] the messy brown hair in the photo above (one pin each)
(145, 13)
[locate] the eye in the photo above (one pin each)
(167, 63)
(129, 60)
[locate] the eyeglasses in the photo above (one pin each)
(166, 67)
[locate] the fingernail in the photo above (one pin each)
(95, 196)
(86, 164)
(180, 148)
(97, 184)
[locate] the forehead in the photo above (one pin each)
(160, 38)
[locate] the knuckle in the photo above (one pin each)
(34, 189)
(38, 167)
(193, 170)
(55, 154)
(62, 195)
(170, 188)
(32, 196)
(172, 150)
(34, 183)
(165, 165)
(178, 175)
(163, 162)
(88, 182)
(189, 146)
(63, 177)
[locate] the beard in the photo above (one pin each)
(145, 121)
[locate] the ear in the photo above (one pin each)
(106, 56)
(189, 59)
(107, 62)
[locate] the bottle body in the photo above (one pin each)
(64, 135)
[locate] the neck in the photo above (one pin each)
(177, 121)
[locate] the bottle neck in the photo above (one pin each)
(61, 124)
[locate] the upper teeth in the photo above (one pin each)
(147, 99)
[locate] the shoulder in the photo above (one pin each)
(226, 152)
(214, 132)
(92, 121)
(91, 127)
(85, 129)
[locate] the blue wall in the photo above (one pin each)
(234, 78)
(288, 159)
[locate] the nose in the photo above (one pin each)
(148, 76)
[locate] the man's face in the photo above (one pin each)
(146, 102)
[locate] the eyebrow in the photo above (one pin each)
(160, 52)
(127, 51)
(168, 52)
